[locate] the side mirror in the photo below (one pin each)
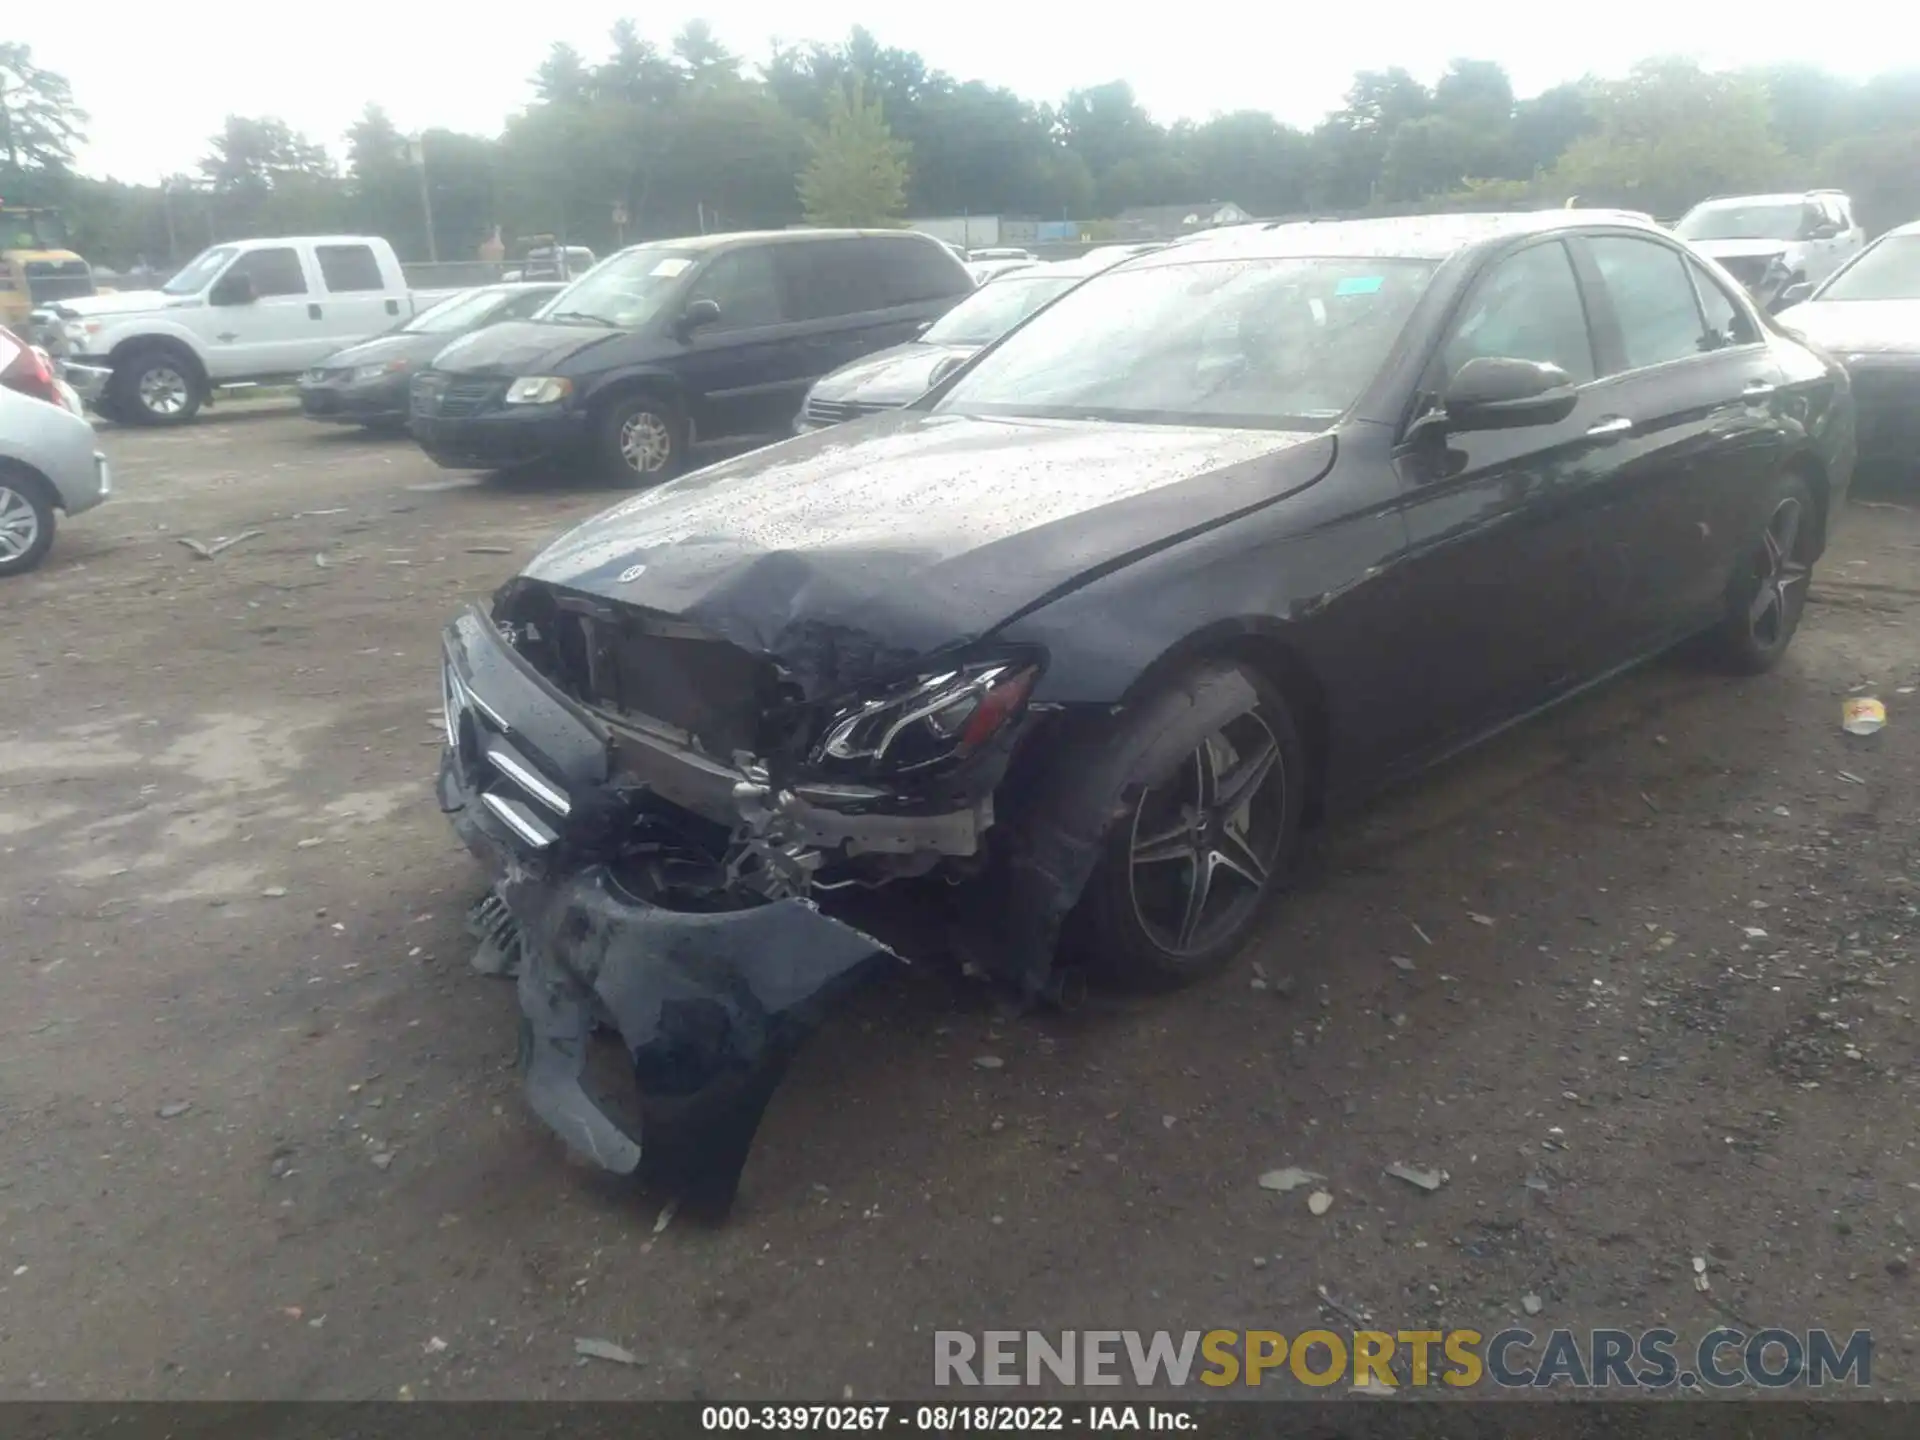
(1825, 230)
(232, 289)
(698, 314)
(1792, 295)
(1497, 393)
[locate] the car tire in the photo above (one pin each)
(156, 385)
(642, 440)
(1768, 593)
(1175, 841)
(27, 519)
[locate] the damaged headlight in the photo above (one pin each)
(946, 715)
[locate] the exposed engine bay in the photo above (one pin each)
(668, 819)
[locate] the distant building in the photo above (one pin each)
(1168, 222)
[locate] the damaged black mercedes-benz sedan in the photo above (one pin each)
(1081, 639)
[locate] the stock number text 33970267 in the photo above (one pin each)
(877, 1418)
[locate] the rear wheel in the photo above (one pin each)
(156, 386)
(643, 440)
(1208, 820)
(26, 520)
(1769, 590)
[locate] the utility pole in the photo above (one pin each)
(417, 152)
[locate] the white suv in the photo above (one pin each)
(1768, 242)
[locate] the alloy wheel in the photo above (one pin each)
(646, 444)
(1782, 573)
(19, 524)
(1206, 841)
(163, 390)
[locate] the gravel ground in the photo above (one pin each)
(1639, 978)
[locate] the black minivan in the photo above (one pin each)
(713, 337)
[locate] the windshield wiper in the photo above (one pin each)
(581, 315)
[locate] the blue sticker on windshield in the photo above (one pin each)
(1359, 285)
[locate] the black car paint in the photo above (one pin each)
(1410, 589)
(730, 383)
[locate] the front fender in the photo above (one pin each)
(117, 339)
(651, 378)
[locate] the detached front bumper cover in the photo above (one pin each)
(711, 1006)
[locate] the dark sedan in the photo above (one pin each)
(903, 373)
(1213, 544)
(367, 383)
(1868, 316)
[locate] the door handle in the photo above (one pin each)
(1612, 425)
(1757, 389)
(313, 312)
(393, 307)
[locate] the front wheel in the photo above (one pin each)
(643, 440)
(1769, 590)
(155, 387)
(26, 522)
(1207, 823)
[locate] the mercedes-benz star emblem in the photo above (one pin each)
(632, 573)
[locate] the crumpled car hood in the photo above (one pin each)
(895, 376)
(854, 549)
(1850, 327)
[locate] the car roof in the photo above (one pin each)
(1784, 197)
(730, 239)
(1406, 237)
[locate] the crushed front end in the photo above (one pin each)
(661, 813)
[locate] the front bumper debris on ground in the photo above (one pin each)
(711, 1005)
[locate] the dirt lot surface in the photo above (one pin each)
(1640, 979)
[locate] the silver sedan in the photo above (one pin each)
(49, 463)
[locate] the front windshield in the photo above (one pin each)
(456, 312)
(200, 271)
(996, 307)
(1743, 222)
(1269, 344)
(624, 291)
(1887, 271)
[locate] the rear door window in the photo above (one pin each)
(829, 278)
(1727, 323)
(908, 271)
(349, 268)
(1653, 299)
(744, 284)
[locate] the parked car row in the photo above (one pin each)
(241, 313)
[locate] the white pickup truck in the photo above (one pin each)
(242, 313)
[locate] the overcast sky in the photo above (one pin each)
(158, 82)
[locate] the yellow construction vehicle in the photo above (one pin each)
(36, 267)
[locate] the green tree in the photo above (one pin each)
(1671, 133)
(267, 179)
(39, 121)
(858, 173)
(1250, 158)
(563, 77)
